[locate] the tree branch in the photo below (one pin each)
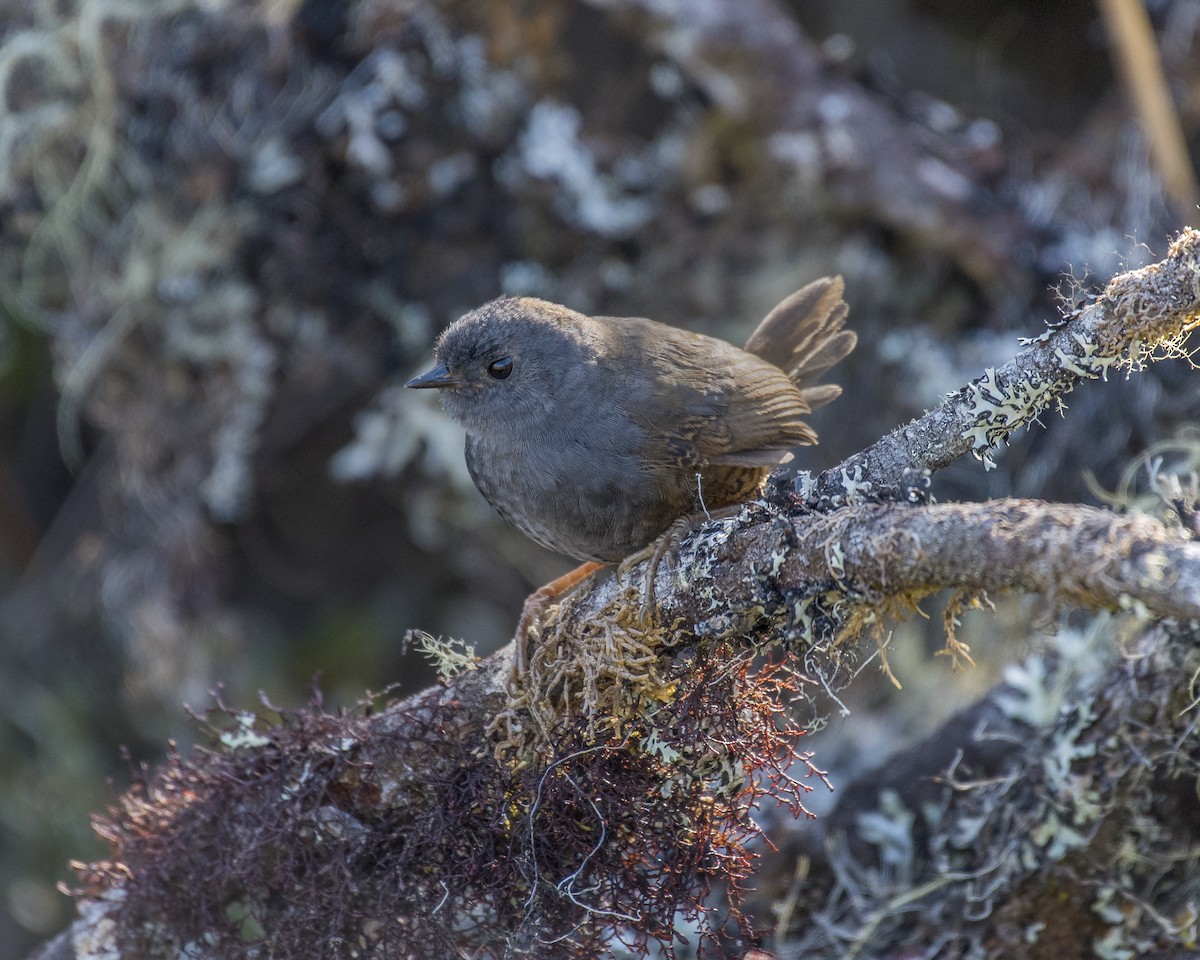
(1139, 313)
(1058, 813)
(873, 554)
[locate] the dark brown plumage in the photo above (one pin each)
(594, 434)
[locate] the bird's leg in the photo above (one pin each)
(538, 602)
(668, 540)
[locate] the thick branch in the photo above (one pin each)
(421, 779)
(745, 568)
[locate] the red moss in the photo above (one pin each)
(306, 843)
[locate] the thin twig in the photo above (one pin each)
(1137, 58)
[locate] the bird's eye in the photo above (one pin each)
(499, 369)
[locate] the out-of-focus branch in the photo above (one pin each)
(843, 142)
(1018, 822)
(1137, 57)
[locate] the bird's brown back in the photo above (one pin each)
(803, 337)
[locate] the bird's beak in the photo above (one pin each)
(438, 377)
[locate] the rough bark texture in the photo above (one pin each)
(1057, 818)
(1138, 313)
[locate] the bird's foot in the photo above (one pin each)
(667, 541)
(653, 553)
(538, 602)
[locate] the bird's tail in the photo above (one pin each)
(803, 336)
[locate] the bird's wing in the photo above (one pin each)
(763, 417)
(702, 401)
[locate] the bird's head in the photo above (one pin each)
(507, 363)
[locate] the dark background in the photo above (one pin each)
(227, 235)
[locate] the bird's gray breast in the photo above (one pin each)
(573, 491)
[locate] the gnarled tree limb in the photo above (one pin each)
(874, 553)
(1057, 817)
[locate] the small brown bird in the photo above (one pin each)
(593, 435)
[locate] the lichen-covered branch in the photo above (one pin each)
(603, 790)
(557, 823)
(1141, 315)
(1057, 817)
(738, 577)
(779, 573)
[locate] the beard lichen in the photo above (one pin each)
(606, 669)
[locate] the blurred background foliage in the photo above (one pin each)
(230, 229)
